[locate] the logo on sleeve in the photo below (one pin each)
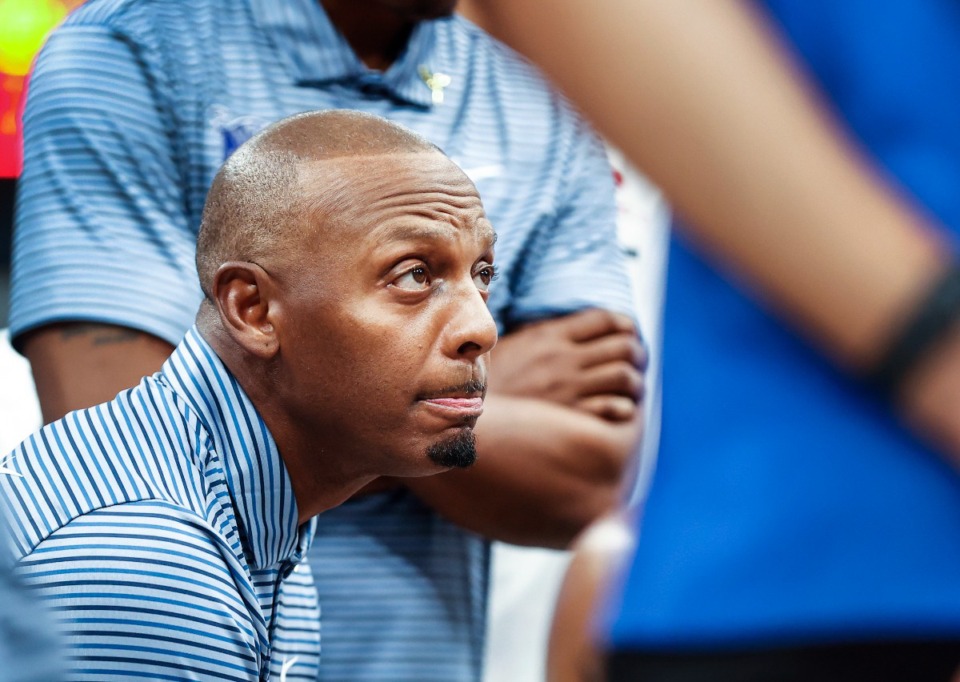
(232, 130)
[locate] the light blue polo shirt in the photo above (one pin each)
(162, 531)
(132, 108)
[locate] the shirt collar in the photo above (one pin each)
(258, 482)
(316, 53)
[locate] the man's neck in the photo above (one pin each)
(376, 34)
(321, 474)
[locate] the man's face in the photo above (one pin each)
(387, 332)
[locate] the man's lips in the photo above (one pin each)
(457, 403)
(458, 409)
(460, 401)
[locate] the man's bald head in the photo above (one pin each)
(347, 264)
(258, 197)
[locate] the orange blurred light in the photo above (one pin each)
(24, 25)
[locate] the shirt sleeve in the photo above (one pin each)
(579, 262)
(101, 231)
(141, 594)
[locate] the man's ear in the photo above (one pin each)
(243, 294)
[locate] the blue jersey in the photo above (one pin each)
(788, 504)
(162, 529)
(134, 105)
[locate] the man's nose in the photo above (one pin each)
(474, 331)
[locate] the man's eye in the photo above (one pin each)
(415, 279)
(484, 276)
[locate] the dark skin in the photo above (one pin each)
(399, 286)
(80, 364)
(578, 378)
(377, 30)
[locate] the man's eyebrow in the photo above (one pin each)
(490, 233)
(415, 232)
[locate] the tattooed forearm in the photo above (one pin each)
(99, 334)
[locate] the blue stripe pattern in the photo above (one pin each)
(161, 528)
(135, 104)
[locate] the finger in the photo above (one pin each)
(615, 378)
(621, 347)
(610, 407)
(594, 322)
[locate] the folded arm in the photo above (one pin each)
(558, 430)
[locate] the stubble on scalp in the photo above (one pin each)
(258, 200)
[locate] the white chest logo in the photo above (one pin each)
(7, 470)
(287, 664)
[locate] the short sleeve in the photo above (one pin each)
(579, 263)
(140, 594)
(101, 231)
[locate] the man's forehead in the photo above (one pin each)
(375, 175)
(385, 185)
(388, 203)
(425, 161)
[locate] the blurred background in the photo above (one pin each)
(23, 26)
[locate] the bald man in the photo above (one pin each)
(344, 334)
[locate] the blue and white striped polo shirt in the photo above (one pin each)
(162, 529)
(135, 104)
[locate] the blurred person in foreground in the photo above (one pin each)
(29, 646)
(804, 519)
(344, 335)
(132, 108)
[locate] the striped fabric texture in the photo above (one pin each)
(135, 104)
(162, 530)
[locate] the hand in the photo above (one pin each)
(591, 360)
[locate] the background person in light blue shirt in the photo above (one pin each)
(134, 105)
(344, 335)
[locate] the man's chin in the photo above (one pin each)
(456, 452)
(438, 9)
